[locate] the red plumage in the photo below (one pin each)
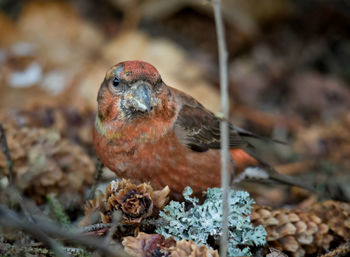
(148, 131)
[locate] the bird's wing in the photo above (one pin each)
(199, 129)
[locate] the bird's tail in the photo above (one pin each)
(248, 167)
(290, 181)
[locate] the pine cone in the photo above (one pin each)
(135, 202)
(336, 215)
(147, 245)
(93, 209)
(45, 163)
(299, 232)
(185, 248)
(335, 139)
(293, 231)
(70, 122)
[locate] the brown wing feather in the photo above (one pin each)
(199, 129)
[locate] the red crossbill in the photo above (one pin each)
(148, 131)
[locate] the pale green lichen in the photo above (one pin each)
(202, 221)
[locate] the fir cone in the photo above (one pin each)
(147, 245)
(293, 231)
(336, 215)
(92, 210)
(46, 163)
(72, 123)
(185, 248)
(136, 202)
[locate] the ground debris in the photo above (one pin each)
(45, 163)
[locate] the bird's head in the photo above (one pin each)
(130, 89)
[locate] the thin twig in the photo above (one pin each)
(226, 168)
(342, 250)
(11, 219)
(117, 217)
(50, 243)
(23, 250)
(95, 227)
(6, 151)
(75, 251)
(97, 177)
(6, 219)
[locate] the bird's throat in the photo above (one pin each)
(103, 128)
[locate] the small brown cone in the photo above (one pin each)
(336, 215)
(136, 202)
(44, 162)
(147, 245)
(300, 232)
(185, 248)
(292, 230)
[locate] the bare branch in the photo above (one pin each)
(95, 227)
(11, 219)
(342, 250)
(117, 217)
(226, 168)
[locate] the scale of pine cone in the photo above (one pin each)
(300, 232)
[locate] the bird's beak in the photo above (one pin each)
(142, 98)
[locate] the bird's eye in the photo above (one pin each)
(115, 82)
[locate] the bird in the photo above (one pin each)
(147, 131)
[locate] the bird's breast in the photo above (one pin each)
(121, 146)
(160, 159)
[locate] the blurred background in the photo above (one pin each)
(289, 79)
